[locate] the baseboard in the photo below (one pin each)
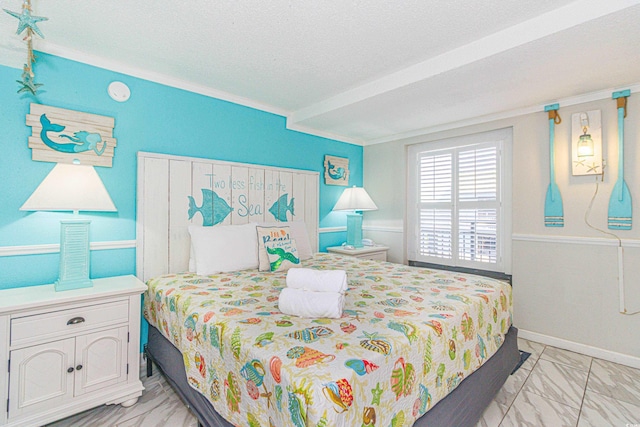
(611, 356)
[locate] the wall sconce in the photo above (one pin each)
(586, 142)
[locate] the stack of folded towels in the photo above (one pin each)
(314, 293)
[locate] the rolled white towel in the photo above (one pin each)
(317, 280)
(302, 303)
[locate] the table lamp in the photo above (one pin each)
(74, 188)
(354, 199)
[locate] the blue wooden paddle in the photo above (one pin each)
(553, 212)
(620, 208)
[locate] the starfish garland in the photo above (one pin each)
(27, 84)
(28, 23)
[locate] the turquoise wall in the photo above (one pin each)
(156, 118)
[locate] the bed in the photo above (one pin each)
(414, 346)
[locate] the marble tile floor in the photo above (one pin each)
(553, 388)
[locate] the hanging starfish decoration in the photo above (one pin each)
(27, 84)
(28, 23)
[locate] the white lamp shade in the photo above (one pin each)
(355, 199)
(70, 188)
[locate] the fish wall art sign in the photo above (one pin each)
(232, 196)
(67, 136)
(336, 171)
(214, 209)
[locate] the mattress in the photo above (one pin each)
(407, 338)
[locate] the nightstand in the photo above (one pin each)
(69, 351)
(377, 253)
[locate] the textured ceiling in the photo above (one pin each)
(361, 71)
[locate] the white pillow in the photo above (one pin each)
(192, 259)
(298, 233)
(224, 248)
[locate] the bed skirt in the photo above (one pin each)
(462, 407)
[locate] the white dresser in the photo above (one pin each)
(68, 351)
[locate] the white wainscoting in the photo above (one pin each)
(55, 248)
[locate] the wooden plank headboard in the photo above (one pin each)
(171, 189)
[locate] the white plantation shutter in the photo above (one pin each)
(455, 202)
(436, 197)
(478, 203)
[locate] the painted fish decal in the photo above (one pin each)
(214, 209)
(80, 141)
(282, 256)
(280, 208)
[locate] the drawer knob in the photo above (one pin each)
(70, 369)
(78, 367)
(75, 320)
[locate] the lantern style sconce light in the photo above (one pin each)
(586, 143)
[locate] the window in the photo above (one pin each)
(457, 210)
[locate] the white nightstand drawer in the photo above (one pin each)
(376, 256)
(38, 327)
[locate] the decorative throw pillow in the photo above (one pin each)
(269, 234)
(298, 231)
(224, 248)
(282, 254)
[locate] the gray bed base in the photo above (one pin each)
(462, 407)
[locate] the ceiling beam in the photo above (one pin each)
(549, 23)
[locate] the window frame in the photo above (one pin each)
(503, 139)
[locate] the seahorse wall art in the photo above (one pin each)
(67, 136)
(336, 171)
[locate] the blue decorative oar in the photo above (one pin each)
(553, 212)
(620, 209)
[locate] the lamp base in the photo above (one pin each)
(74, 255)
(354, 230)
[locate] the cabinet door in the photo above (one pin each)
(39, 377)
(101, 360)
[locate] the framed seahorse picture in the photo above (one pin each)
(336, 171)
(68, 136)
